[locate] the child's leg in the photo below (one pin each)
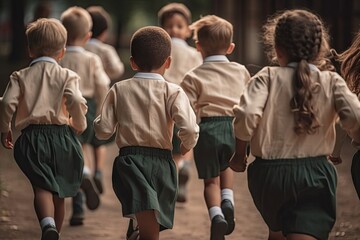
(148, 226)
(227, 198)
(297, 236)
(212, 198)
(44, 208)
(100, 155)
(59, 204)
(183, 166)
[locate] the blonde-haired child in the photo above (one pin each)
(288, 113)
(94, 84)
(44, 96)
(213, 89)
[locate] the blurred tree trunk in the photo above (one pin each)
(18, 40)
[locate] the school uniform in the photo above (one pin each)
(94, 84)
(44, 96)
(142, 111)
(292, 183)
(183, 59)
(113, 66)
(213, 89)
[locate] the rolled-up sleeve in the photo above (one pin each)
(9, 102)
(184, 117)
(250, 109)
(75, 103)
(105, 123)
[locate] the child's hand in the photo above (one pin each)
(77, 132)
(6, 140)
(238, 162)
(183, 150)
(335, 160)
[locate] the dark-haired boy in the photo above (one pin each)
(142, 110)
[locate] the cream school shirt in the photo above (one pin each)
(142, 110)
(43, 93)
(216, 86)
(264, 116)
(184, 58)
(113, 66)
(94, 82)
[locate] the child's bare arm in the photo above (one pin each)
(238, 161)
(7, 140)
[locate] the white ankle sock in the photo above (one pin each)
(213, 211)
(228, 194)
(47, 221)
(86, 171)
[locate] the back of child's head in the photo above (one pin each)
(350, 65)
(46, 37)
(213, 33)
(77, 22)
(100, 20)
(170, 9)
(150, 47)
(300, 35)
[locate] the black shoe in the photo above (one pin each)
(49, 232)
(98, 180)
(218, 228)
(132, 232)
(184, 175)
(91, 194)
(228, 210)
(77, 219)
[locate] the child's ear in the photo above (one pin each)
(61, 54)
(198, 46)
(133, 65)
(230, 48)
(168, 62)
(188, 33)
(87, 36)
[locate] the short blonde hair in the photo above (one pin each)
(214, 34)
(77, 22)
(46, 37)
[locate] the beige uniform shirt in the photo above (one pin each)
(94, 82)
(265, 118)
(184, 58)
(142, 110)
(216, 86)
(43, 93)
(113, 66)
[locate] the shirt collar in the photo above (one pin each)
(179, 41)
(216, 58)
(311, 66)
(43, 59)
(93, 41)
(74, 49)
(147, 75)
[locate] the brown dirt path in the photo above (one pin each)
(18, 221)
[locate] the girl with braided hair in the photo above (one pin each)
(288, 114)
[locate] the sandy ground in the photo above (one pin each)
(18, 221)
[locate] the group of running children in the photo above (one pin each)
(182, 99)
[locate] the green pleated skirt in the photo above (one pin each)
(143, 179)
(215, 146)
(295, 195)
(51, 158)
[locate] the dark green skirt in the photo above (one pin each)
(145, 178)
(215, 146)
(51, 158)
(295, 195)
(355, 172)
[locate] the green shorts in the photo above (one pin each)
(88, 136)
(215, 146)
(295, 195)
(355, 172)
(51, 158)
(145, 178)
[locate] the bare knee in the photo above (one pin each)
(297, 236)
(276, 235)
